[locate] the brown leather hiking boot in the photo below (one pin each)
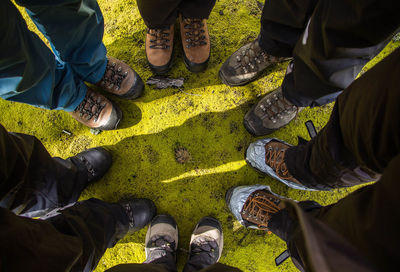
(254, 205)
(195, 43)
(268, 157)
(159, 48)
(271, 113)
(246, 64)
(96, 111)
(121, 80)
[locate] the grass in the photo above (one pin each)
(204, 118)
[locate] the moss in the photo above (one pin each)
(205, 118)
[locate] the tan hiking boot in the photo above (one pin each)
(268, 157)
(120, 79)
(96, 111)
(195, 43)
(159, 49)
(254, 205)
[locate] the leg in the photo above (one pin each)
(75, 31)
(363, 131)
(340, 38)
(72, 239)
(34, 183)
(282, 24)
(29, 73)
(156, 17)
(196, 9)
(363, 225)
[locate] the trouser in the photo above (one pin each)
(72, 238)
(162, 14)
(30, 72)
(32, 182)
(160, 268)
(330, 42)
(363, 131)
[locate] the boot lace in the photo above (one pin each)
(159, 38)
(88, 165)
(90, 107)
(277, 107)
(274, 157)
(113, 76)
(203, 245)
(259, 208)
(129, 212)
(251, 57)
(194, 32)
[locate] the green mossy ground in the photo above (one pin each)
(205, 117)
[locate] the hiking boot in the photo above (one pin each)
(96, 111)
(268, 157)
(162, 241)
(96, 161)
(253, 206)
(206, 244)
(195, 43)
(159, 49)
(271, 113)
(246, 64)
(140, 211)
(121, 80)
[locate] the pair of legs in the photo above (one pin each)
(329, 43)
(69, 235)
(205, 247)
(360, 143)
(160, 16)
(31, 73)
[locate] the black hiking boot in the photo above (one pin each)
(140, 211)
(96, 161)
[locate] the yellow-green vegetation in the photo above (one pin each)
(204, 119)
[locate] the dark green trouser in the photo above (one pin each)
(364, 130)
(330, 40)
(163, 13)
(160, 268)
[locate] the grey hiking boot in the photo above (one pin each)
(162, 241)
(271, 113)
(246, 64)
(253, 206)
(206, 244)
(268, 157)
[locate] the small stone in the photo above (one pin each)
(95, 131)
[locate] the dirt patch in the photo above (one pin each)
(182, 155)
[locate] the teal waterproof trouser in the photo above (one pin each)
(33, 74)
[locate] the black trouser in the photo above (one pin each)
(330, 40)
(162, 13)
(160, 268)
(33, 183)
(364, 131)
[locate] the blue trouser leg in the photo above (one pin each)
(30, 73)
(75, 30)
